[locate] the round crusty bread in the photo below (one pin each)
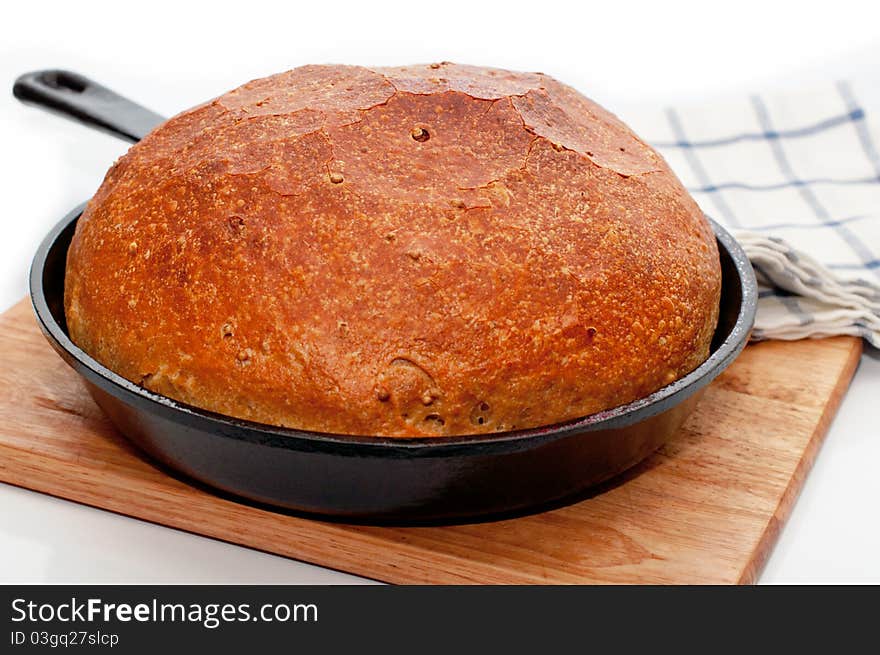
(425, 250)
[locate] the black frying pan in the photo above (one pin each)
(367, 478)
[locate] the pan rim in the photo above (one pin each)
(223, 426)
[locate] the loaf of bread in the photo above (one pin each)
(416, 251)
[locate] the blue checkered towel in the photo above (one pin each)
(796, 177)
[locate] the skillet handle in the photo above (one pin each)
(79, 98)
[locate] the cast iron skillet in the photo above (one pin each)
(366, 478)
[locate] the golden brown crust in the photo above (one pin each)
(421, 250)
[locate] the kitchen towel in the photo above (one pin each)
(796, 178)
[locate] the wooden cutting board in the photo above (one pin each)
(706, 509)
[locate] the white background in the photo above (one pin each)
(171, 55)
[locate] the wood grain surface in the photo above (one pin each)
(707, 508)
